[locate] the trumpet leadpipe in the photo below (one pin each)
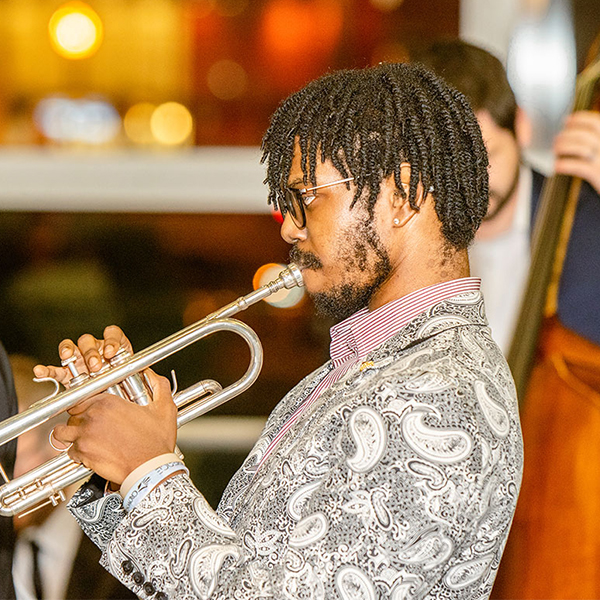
(50, 407)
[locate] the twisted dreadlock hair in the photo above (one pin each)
(369, 121)
(475, 73)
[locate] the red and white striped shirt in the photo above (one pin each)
(355, 337)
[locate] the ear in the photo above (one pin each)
(402, 212)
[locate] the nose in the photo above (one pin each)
(290, 232)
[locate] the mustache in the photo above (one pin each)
(304, 260)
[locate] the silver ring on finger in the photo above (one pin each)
(56, 448)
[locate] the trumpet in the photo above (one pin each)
(122, 375)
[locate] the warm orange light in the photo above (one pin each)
(295, 27)
(227, 79)
(390, 51)
(231, 8)
(75, 30)
(298, 38)
(202, 8)
(260, 273)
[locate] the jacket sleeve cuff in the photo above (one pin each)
(98, 515)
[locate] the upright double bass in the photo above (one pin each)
(553, 550)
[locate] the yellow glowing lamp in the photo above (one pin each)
(75, 30)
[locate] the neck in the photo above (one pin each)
(446, 266)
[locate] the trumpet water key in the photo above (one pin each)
(122, 375)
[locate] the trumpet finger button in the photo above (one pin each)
(78, 378)
(70, 364)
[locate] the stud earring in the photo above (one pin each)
(431, 189)
(396, 221)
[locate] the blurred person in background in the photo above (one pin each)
(8, 407)
(554, 547)
(500, 253)
(53, 560)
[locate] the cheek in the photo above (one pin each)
(498, 179)
(352, 257)
(323, 240)
(495, 168)
(338, 238)
(354, 253)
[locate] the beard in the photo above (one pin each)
(497, 200)
(362, 253)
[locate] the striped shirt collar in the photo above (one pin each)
(354, 337)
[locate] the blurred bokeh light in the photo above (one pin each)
(171, 124)
(77, 121)
(231, 8)
(386, 5)
(227, 79)
(299, 38)
(283, 298)
(542, 66)
(137, 123)
(276, 214)
(229, 62)
(75, 30)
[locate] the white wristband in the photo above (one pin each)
(148, 482)
(144, 469)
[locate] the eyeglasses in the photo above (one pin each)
(295, 200)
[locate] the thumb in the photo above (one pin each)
(160, 387)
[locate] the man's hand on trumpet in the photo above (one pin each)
(109, 434)
(87, 352)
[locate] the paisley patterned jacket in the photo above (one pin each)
(400, 481)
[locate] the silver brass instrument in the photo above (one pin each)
(45, 483)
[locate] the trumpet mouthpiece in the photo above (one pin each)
(292, 277)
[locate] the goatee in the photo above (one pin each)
(362, 253)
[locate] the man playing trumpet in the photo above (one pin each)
(391, 471)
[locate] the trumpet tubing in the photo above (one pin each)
(122, 376)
